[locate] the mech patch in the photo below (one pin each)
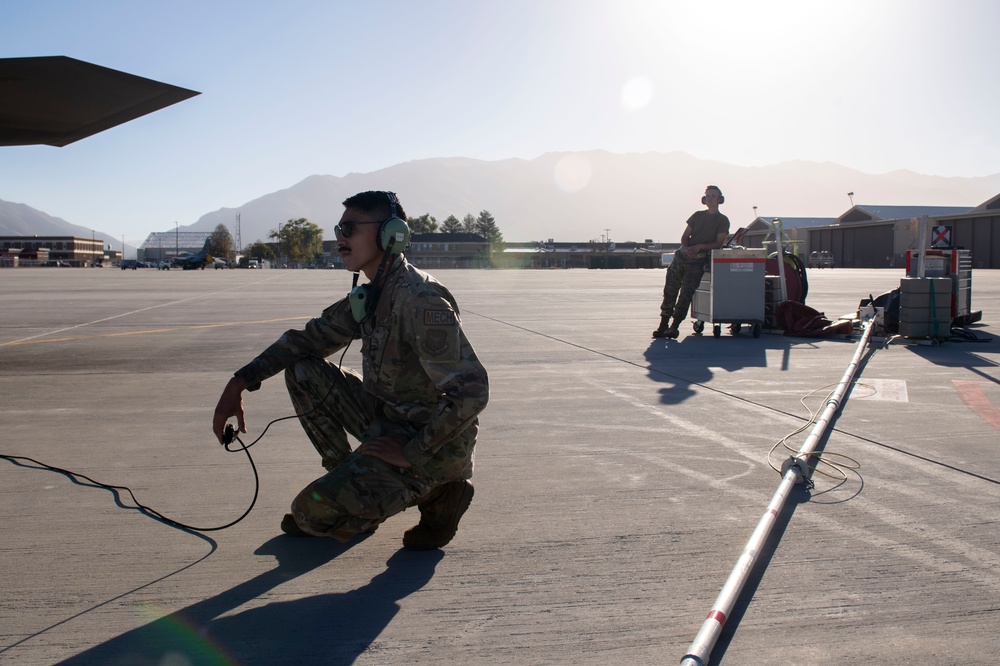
(439, 318)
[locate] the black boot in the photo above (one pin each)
(439, 516)
(674, 330)
(661, 331)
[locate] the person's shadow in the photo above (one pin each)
(683, 364)
(322, 629)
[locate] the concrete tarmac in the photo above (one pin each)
(618, 479)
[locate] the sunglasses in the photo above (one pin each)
(346, 228)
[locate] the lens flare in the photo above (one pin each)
(173, 640)
(572, 173)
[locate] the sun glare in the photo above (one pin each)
(636, 93)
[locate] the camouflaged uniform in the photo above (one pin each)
(684, 273)
(421, 378)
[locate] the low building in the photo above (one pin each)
(586, 254)
(68, 250)
(977, 230)
(878, 236)
(167, 245)
(448, 250)
(874, 236)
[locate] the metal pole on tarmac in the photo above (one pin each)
(780, 254)
(795, 470)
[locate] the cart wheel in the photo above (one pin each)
(735, 328)
(717, 330)
(699, 326)
(756, 329)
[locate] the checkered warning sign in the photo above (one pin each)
(941, 236)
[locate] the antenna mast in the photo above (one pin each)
(239, 244)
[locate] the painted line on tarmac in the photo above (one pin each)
(975, 399)
(33, 341)
(126, 314)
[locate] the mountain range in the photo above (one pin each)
(574, 196)
(18, 219)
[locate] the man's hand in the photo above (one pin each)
(230, 404)
(388, 448)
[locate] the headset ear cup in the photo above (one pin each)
(704, 201)
(722, 199)
(361, 303)
(394, 228)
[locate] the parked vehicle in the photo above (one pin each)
(820, 259)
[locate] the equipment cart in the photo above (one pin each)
(731, 292)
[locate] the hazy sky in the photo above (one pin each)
(295, 88)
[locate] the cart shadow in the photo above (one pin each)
(692, 360)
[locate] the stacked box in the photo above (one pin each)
(772, 299)
(925, 307)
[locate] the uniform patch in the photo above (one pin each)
(436, 341)
(439, 318)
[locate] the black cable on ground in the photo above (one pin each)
(75, 477)
(229, 436)
(965, 335)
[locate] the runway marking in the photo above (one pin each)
(125, 314)
(33, 341)
(741, 447)
(936, 549)
(885, 389)
(975, 399)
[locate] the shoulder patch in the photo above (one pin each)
(438, 333)
(436, 343)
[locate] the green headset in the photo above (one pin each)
(394, 233)
(393, 237)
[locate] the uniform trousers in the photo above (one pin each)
(683, 277)
(358, 491)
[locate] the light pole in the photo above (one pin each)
(177, 241)
(850, 195)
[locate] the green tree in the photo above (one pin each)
(425, 224)
(452, 225)
(469, 223)
(300, 240)
(487, 227)
(260, 251)
(220, 243)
